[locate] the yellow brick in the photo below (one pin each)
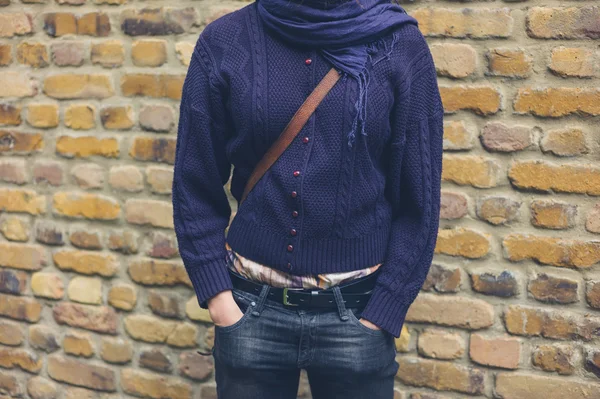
(475, 23)
(6, 54)
(60, 23)
(552, 251)
(109, 54)
(32, 54)
(117, 118)
(184, 52)
(93, 24)
(153, 149)
(10, 114)
(471, 170)
(42, 115)
(90, 206)
(545, 176)
(483, 100)
(512, 63)
(577, 62)
(22, 256)
(69, 86)
(20, 200)
(152, 272)
(557, 102)
(168, 86)
(463, 242)
(80, 117)
(83, 147)
(150, 53)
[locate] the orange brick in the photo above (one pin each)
(464, 242)
(470, 170)
(511, 63)
(546, 176)
(483, 100)
(552, 251)
(557, 102)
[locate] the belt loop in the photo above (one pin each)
(340, 303)
(261, 300)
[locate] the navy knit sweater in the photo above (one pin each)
(323, 206)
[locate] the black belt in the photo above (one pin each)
(355, 293)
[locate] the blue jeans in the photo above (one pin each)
(261, 355)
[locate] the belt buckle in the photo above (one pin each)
(285, 296)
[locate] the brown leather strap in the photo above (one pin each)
(292, 129)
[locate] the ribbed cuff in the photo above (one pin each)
(209, 279)
(385, 311)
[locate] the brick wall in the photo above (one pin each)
(95, 302)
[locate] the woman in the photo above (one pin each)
(332, 245)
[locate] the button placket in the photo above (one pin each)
(294, 194)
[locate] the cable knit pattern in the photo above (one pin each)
(376, 202)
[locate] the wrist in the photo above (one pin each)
(220, 297)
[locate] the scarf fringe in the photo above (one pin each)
(363, 79)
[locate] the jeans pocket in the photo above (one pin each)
(246, 304)
(354, 314)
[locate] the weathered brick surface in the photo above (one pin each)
(503, 352)
(558, 101)
(565, 142)
(475, 23)
(552, 289)
(562, 359)
(149, 385)
(552, 251)
(564, 22)
(546, 176)
(441, 375)
(509, 63)
(553, 214)
(79, 373)
(91, 283)
(499, 137)
(498, 210)
(452, 311)
(503, 284)
(560, 325)
(463, 242)
(573, 62)
(516, 386)
(95, 318)
(483, 100)
(473, 170)
(439, 344)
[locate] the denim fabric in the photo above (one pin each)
(261, 355)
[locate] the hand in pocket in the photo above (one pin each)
(224, 310)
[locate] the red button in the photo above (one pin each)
(293, 232)
(295, 213)
(290, 248)
(294, 194)
(305, 140)
(296, 173)
(308, 61)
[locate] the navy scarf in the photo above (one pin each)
(346, 32)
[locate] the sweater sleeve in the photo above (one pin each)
(413, 189)
(201, 209)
